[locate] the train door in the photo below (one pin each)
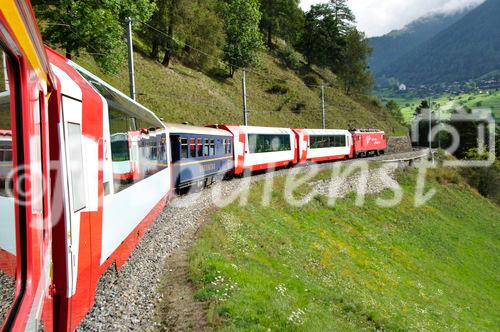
(74, 184)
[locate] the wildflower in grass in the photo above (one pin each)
(297, 317)
(281, 289)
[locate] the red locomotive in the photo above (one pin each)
(368, 142)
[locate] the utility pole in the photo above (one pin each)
(439, 132)
(323, 125)
(244, 92)
(131, 77)
(430, 129)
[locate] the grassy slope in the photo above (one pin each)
(348, 268)
(180, 94)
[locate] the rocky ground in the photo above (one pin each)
(7, 292)
(128, 299)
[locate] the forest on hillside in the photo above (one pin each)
(216, 37)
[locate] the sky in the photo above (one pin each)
(378, 17)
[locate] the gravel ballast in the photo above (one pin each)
(7, 292)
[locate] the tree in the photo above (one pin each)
(202, 29)
(159, 21)
(164, 21)
(283, 18)
(395, 111)
(343, 16)
(180, 26)
(424, 105)
(243, 38)
(321, 43)
(353, 68)
(98, 27)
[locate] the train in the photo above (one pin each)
(85, 170)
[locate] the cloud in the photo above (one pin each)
(378, 17)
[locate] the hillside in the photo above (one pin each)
(390, 47)
(466, 50)
(349, 268)
(277, 96)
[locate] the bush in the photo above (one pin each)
(486, 180)
(291, 58)
(310, 80)
(278, 89)
(299, 107)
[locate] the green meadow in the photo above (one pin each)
(348, 267)
(448, 103)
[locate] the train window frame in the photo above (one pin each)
(212, 147)
(206, 147)
(184, 148)
(199, 147)
(192, 147)
(17, 156)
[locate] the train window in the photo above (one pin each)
(119, 147)
(229, 146)
(184, 148)
(199, 147)
(206, 148)
(212, 147)
(76, 166)
(260, 143)
(224, 143)
(192, 147)
(330, 141)
(8, 261)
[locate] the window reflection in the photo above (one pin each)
(262, 143)
(138, 138)
(7, 216)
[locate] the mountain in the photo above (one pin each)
(396, 43)
(466, 50)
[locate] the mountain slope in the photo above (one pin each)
(466, 50)
(277, 96)
(395, 44)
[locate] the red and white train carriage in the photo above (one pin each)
(319, 145)
(259, 148)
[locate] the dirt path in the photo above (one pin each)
(179, 310)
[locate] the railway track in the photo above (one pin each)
(126, 300)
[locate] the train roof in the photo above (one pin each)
(6, 132)
(326, 131)
(367, 130)
(261, 130)
(174, 128)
